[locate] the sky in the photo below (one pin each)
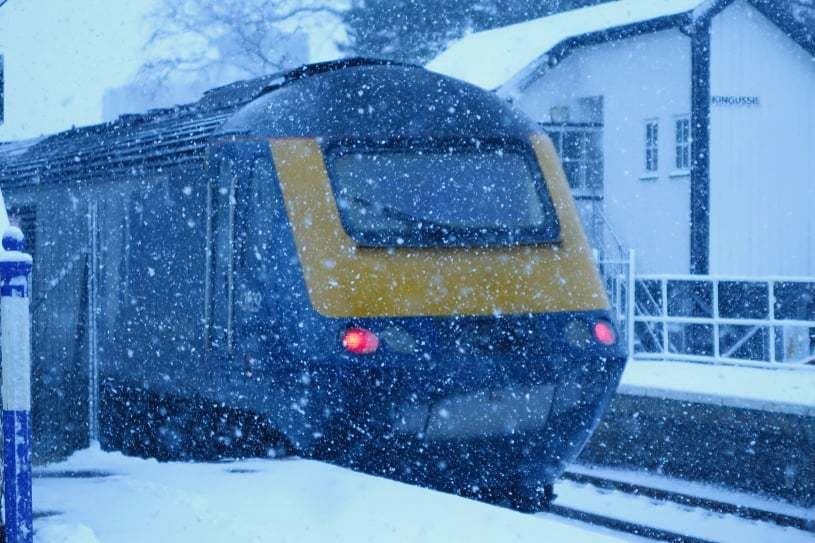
(60, 57)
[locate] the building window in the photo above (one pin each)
(580, 148)
(682, 127)
(651, 146)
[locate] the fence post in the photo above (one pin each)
(663, 283)
(716, 330)
(15, 269)
(631, 309)
(771, 300)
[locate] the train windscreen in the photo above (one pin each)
(459, 195)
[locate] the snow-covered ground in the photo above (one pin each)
(266, 500)
(778, 389)
(105, 497)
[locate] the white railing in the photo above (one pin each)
(754, 321)
(618, 279)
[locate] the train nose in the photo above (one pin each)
(478, 415)
(499, 336)
(477, 383)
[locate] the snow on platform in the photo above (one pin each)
(122, 499)
(779, 390)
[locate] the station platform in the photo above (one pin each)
(744, 428)
(778, 389)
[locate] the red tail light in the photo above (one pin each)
(604, 333)
(360, 341)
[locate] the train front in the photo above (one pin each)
(455, 329)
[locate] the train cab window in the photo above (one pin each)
(420, 195)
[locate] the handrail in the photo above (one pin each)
(618, 244)
(708, 329)
(735, 278)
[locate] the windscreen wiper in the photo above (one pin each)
(391, 212)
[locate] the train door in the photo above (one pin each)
(57, 233)
(220, 317)
(255, 295)
(259, 337)
(66, 312)
(244, 339)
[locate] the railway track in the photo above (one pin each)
(619, 525)
(672, 516)
(716, 506)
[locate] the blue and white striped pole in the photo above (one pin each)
(15, 269)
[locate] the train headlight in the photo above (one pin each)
(360, 341)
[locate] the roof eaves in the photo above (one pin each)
(708, 9)
(784, 20)
(561, 50)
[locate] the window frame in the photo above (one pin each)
(651, 149)
(590, 180)
(682, 145)
(549, 233)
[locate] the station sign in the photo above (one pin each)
(737, 101)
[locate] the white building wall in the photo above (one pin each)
(762, 174)
(639, 78)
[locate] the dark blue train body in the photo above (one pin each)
(360, 261)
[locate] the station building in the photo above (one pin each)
(686, 127)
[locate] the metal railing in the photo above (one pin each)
(755, 321)
(617, 267)
(618, 278)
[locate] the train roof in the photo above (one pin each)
(159, 136)
(387, 101)
(179, 134)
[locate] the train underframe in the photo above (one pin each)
(504, 441)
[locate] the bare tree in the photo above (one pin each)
(804, 12)
(228, 38)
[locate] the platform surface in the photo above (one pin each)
(776, 389)
(97, 496)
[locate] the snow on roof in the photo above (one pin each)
(10, 149)
(491, 58)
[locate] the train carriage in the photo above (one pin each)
(361, 260)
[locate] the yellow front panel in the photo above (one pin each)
(344, 280)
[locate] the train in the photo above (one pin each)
(359, 261)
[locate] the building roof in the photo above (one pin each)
(492, 58)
